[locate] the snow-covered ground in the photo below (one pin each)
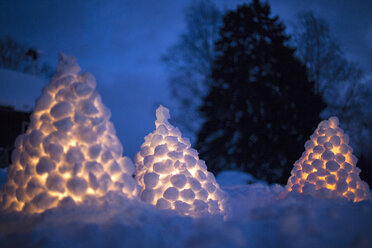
(258, 215)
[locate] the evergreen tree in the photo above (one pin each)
(261, 108)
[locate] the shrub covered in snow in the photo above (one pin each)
(70, 151)
(327, 168)
(170, 174)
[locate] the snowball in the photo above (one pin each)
(55, 183)
(151, 179)
(87, 107)
(178, 181)
(94, 151)
(147, 195)
(331, 179)
(335, 140)
(187, 194)
(194, 184)
(328, 155)
(156, 140)
(88, 78)
(146, 150)
(86, 134)
(317, 163)
(77, 186)
(308, 188)
(45, 165)
(190, 161)
(61, 110)
(162, 114)
(35, 138)
(64, 125)
(322, 139)
(340, 159)
(67, 64)
(348, 167)
(312, 177)
(163, 167)
(341, 186)
(309, 144)
(82, 89)
(202, 194)
(43, 102)
(200, 175)
(318, 149)
(333, 121)
(94, 167)
(33, 187)
(105, 182)
(344, 149)
(163, 204)
(328, 145)
(171, 194)
(182, 207)
(43, 200)
(163, 130)
(307, 168)
(93, 181)
(200, 205)
(127, 165)
(175, 155)
(332, 165)
(171, 140)
(161, 150)
(342, 173)
(148, 160)
(74, 155)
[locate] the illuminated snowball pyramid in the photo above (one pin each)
(70, 151)
(327, 168)
(170, 174)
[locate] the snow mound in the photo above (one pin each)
(327, 168)
(230, 178)
(257, 217)
(70, 152)
(170, 174)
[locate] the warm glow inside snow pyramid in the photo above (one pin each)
(327, 168)
(69, 151)
(170, 174)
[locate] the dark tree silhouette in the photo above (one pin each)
(20, 57)
(189, 63)
(261, 108)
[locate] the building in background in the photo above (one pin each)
(18, 93)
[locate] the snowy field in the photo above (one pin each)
(258, 215)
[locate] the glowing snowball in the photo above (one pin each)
(170, 174)
(69, 151)
(327, 168)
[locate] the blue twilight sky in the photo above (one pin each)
(121, 43)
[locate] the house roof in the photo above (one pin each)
(19, 90)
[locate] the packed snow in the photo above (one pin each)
(12, 81)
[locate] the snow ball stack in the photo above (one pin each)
(70, 151)
(170, 174)
(327, 168)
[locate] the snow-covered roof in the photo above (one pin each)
(20, 90)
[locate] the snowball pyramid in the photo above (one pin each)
(170, 174)
(70, 151)
(327, 168)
